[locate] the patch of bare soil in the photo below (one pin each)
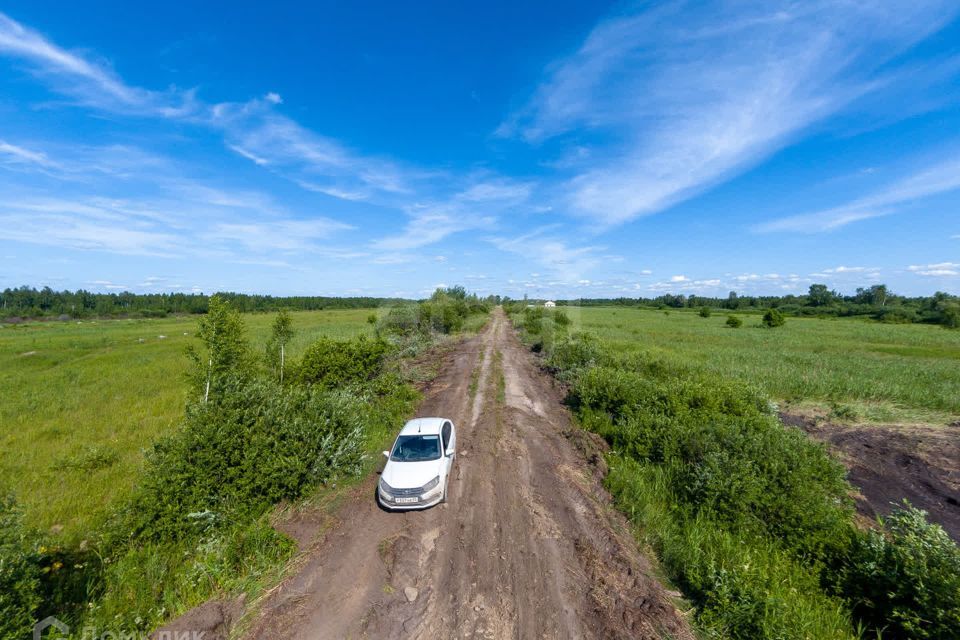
(527, 545)
(888, 464)
(211, 621)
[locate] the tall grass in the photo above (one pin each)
(79, 403)
(883, 372)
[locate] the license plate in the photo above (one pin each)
(407, 500)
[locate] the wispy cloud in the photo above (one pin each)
(11, 153)
(317, 163)
(940, 177)
(940, 269)
(476, 206)
(666, 102)
(548, 247)
(89, 82)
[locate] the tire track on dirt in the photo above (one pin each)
(526, 546)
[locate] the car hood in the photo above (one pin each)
(410, 475)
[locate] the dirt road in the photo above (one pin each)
(526, 546)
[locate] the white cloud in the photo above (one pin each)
(940, 177)
(843, 269)
(19, 155)
(679, 279)
(544, 247)
(273, 98)
(471, 208)
(940, 269)
(693, 93)
(90, 82)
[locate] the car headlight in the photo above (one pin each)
(432, 484)
(384, 487)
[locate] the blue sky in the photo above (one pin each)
(559, 149)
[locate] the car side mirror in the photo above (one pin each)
(450, 452)
(386, 454)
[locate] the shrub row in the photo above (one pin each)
(445, 312)
(751, 519)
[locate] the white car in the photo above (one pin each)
(419, 464)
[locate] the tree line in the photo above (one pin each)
(876, 302)
(28, 302)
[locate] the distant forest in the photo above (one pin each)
(876, 302)
(26, 302)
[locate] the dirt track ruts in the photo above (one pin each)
(527, 545)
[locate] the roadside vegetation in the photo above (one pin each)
(858, 370)
(753, 521)
(196, 523)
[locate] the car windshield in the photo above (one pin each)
(416, 448)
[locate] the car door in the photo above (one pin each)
(449, 444)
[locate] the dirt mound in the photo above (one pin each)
(891, 463)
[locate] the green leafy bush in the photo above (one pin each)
(745, 587)
(333, 363)
(401, 320)
(950, 317)
(578, 352)
(774, 318)
(904, 579)
(705, 312)
(20, 573)
(257, 444)
(734, 322)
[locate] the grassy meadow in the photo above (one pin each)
(79, 402)
(854, 370)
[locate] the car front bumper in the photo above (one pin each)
(426, 500)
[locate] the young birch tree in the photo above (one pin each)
(280, 335)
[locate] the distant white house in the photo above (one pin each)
(549, 304)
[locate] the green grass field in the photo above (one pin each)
(860, 370)
(79, 402)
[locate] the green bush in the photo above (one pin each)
(257, 444)
(904, 579)
(20, 573)
(950, 317)
(561, 318)
(445, 312)
(400, 320)
(745, 587)
(705, 312)
(896, 315)
(734, 322)
(576, 353)
(774, 318)
(333, 363)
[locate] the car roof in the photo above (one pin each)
(422, 425)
